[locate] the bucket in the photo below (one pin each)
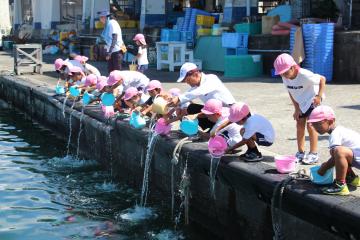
(189, 127)
(87, 98)
(137, 121)
(159, 105)
(327, 178)
(107, 99)
(285, 164)
(108, 111)
(59, 89)
(161, 127)
(217, 146)
(74, 91)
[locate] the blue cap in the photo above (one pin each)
(103, 13)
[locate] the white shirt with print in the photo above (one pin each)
(342, 136)
(259, 124)
(143, 59)
(303, 88)
(114, 28)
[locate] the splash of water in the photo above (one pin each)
(108, 136)
(69, 162)
(184, 190)
(64, 104)
(107, 187)
(153, 136)
(212, 174)
(168, 235)
(137, 213)
(80, 131)
(70, 129)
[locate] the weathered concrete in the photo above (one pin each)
(242, 207)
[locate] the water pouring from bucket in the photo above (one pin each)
(162, 128)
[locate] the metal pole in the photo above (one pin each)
(248, 6)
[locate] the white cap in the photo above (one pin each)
(185, 68)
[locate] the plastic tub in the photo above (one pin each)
(285, 163)
(217, 146)
(162, 128)
(189, 127)
(328, 177)
(107, 99)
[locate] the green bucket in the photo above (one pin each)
(8, 45)
(243, 66)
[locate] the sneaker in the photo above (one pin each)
(253, 157)
(248, 151)
(300, 156)
(353, 180)
(311, 158)
(337, 189)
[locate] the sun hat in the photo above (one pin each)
(58, 64)
(283, 63)
(153, 84)
(102, 82)
(141, 38)
(238, 111)
(91, 79)
(114, 77)
(212, 106)
(81, 58)
(103, 13)
(185, 68)
(321, 113)
(75, 69)
(174, 92)
(130, 92)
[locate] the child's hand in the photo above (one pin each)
(317, 100)
(296, 114)
(322, 170)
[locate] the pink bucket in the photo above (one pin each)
(285, 164)
(161, 127)
(108, 111)
(217, 146)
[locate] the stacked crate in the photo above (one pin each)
(235, 43)
(204, 25)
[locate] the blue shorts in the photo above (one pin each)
(142, 68)
(260, 140)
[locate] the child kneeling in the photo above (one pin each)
(344, 147)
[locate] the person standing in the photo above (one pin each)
(113, 39)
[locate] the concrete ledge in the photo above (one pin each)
(242, 209)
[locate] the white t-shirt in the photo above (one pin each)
(233, 129)
(210, 87)
(303, 88)
(92, 69)
(143, 98)
(342, 136)
(142, 60)
(114, 28)
(134, 79)
(258, 124)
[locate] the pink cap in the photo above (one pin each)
(102, 82)
(321, 113)
(174, 92)
(185, 68)
(58, 64)
(283, 63)
(153, 84)
(238, 111)
(81, 58)
(75, 69)
(141, 38)
(130, 92)
(91, 79)
(114, 77)
(212, 106)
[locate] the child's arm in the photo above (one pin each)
(239, 144)
(297, 112)
(318, 97)
(225, 124)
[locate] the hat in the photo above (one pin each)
(130, 92)
(238, 111)
(212, 106)
(141, 38)
(91, 79)
(153, 84)
(102, 82)
(321, 113)
(81, 58)
(283, 63)
(174, 92)
(185, 68)
(114, 77)
(58, 64)
(75, 69)
(103, 13)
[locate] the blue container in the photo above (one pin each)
(170, 35)
(189, 127)
(328, 177)
(107, 99)
(186, 36)
(87, 98)
(137, 121)
(74, 91)
(236, 51)
(235, 40)
(59, 89)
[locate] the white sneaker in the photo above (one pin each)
(300, 156)
(311, 158)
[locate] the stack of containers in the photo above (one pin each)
(169, 35)
(186, 21)
(319, 48)
(204, 25)
(235, 43)
(192, 23)
(188, 38)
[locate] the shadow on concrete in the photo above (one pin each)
(354, 107)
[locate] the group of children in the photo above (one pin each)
(220, 114)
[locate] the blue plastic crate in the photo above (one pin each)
(235, 40)
(169, 35)
(236, 51)
(186, 36)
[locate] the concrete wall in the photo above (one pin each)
(242, 209)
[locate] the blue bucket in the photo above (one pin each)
(327, 178)
(137, 121)
(189, 127)
(87, 98)
(74, 91)
(107, 99)
(59, 89)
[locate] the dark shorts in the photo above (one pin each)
(308, 112)
(204, 123)
(115, 61)
(260, 140)
(143, 68)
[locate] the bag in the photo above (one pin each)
(133, 66)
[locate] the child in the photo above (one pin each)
(305, 90)
(178, 112)
(216, 113)
(77, 76)
(86, 67)
(256, 130)
(344, 147)
(134, 98)
(141, 57)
